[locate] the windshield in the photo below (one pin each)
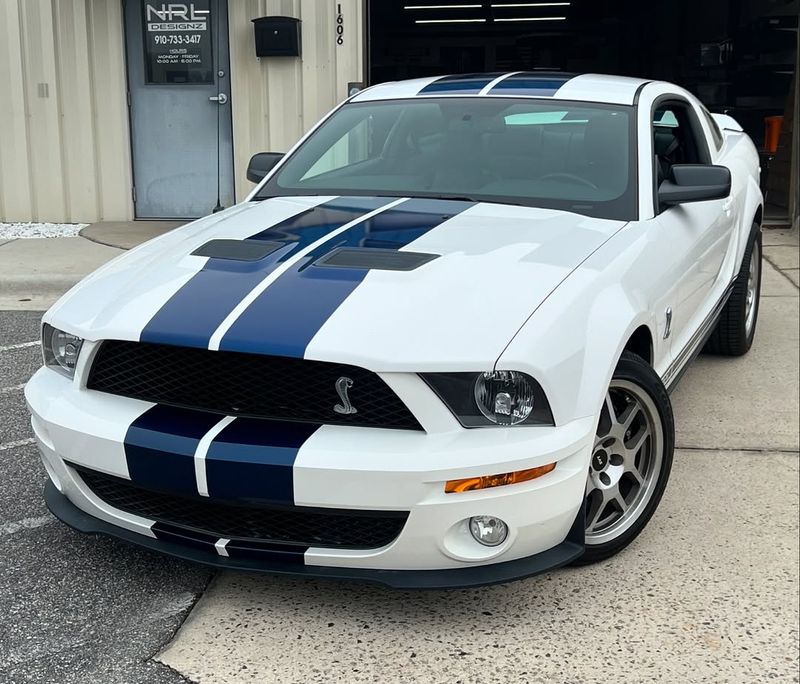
(574, 156)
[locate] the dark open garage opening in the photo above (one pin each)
(738, 56)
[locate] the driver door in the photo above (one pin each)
(698, 231)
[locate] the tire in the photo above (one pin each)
(733, 335)
(630, 464)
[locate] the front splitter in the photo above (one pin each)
(480, 575)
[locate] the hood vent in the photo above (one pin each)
(237, 250)
(375, 258)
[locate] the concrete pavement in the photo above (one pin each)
(708, 593)
(750, 402)
(126, 234)
(34, 273)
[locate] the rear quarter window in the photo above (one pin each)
(716, 134)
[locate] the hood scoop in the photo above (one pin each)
(237, 250)
(374, 258)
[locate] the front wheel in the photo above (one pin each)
(631, 460)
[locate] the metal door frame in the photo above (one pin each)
(132, 189)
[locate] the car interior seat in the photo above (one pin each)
(666, 147)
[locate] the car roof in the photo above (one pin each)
(540, 84)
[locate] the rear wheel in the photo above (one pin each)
(631, 460)
(736, 328)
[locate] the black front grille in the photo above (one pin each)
(253, 385)
(296, 525)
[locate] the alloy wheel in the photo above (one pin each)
(626, 461)
(752, 289)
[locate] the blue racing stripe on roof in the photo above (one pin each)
(194, 312)
(160, 446)
(286, 316)
(459, 84)
(254, 459)
(530, 84)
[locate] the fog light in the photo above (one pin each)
(488, 530)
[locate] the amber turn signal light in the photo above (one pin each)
(470, 483)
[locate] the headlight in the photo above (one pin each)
(492, 398)
(504, 397)
(61, 350)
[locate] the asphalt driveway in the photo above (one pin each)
(72, 608)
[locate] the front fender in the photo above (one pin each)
(573, 341)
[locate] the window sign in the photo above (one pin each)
(177, 39)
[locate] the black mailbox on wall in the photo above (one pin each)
(277, 36)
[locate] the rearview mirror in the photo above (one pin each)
(695, 183)
(261, 164)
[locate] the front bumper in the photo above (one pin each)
(481, 575)
(350, 468)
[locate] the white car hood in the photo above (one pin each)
(495, 265)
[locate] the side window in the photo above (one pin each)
(716, 134)
(678, 138)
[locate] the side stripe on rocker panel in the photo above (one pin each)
(272, 324)
(195, 311)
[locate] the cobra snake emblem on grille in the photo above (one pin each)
(343, 385)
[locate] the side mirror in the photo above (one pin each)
(695, 183)
(261, 164)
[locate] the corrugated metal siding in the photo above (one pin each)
(64, 130)
(277, 99)
(64, 145)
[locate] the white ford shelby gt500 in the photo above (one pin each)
(432, 348)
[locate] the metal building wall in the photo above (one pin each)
(64, 146)
(276, 99)
(64, 131)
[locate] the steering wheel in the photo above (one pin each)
(561, 175)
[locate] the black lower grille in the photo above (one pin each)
(253, 385)
(337, 528)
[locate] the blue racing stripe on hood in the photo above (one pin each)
(286, 316)
(530, 84)
(194, 312)
(160, 446)
(254, 459)
(459, 84)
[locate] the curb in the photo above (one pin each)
(99, 242)
(28, 292)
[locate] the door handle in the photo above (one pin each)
(221, 98)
